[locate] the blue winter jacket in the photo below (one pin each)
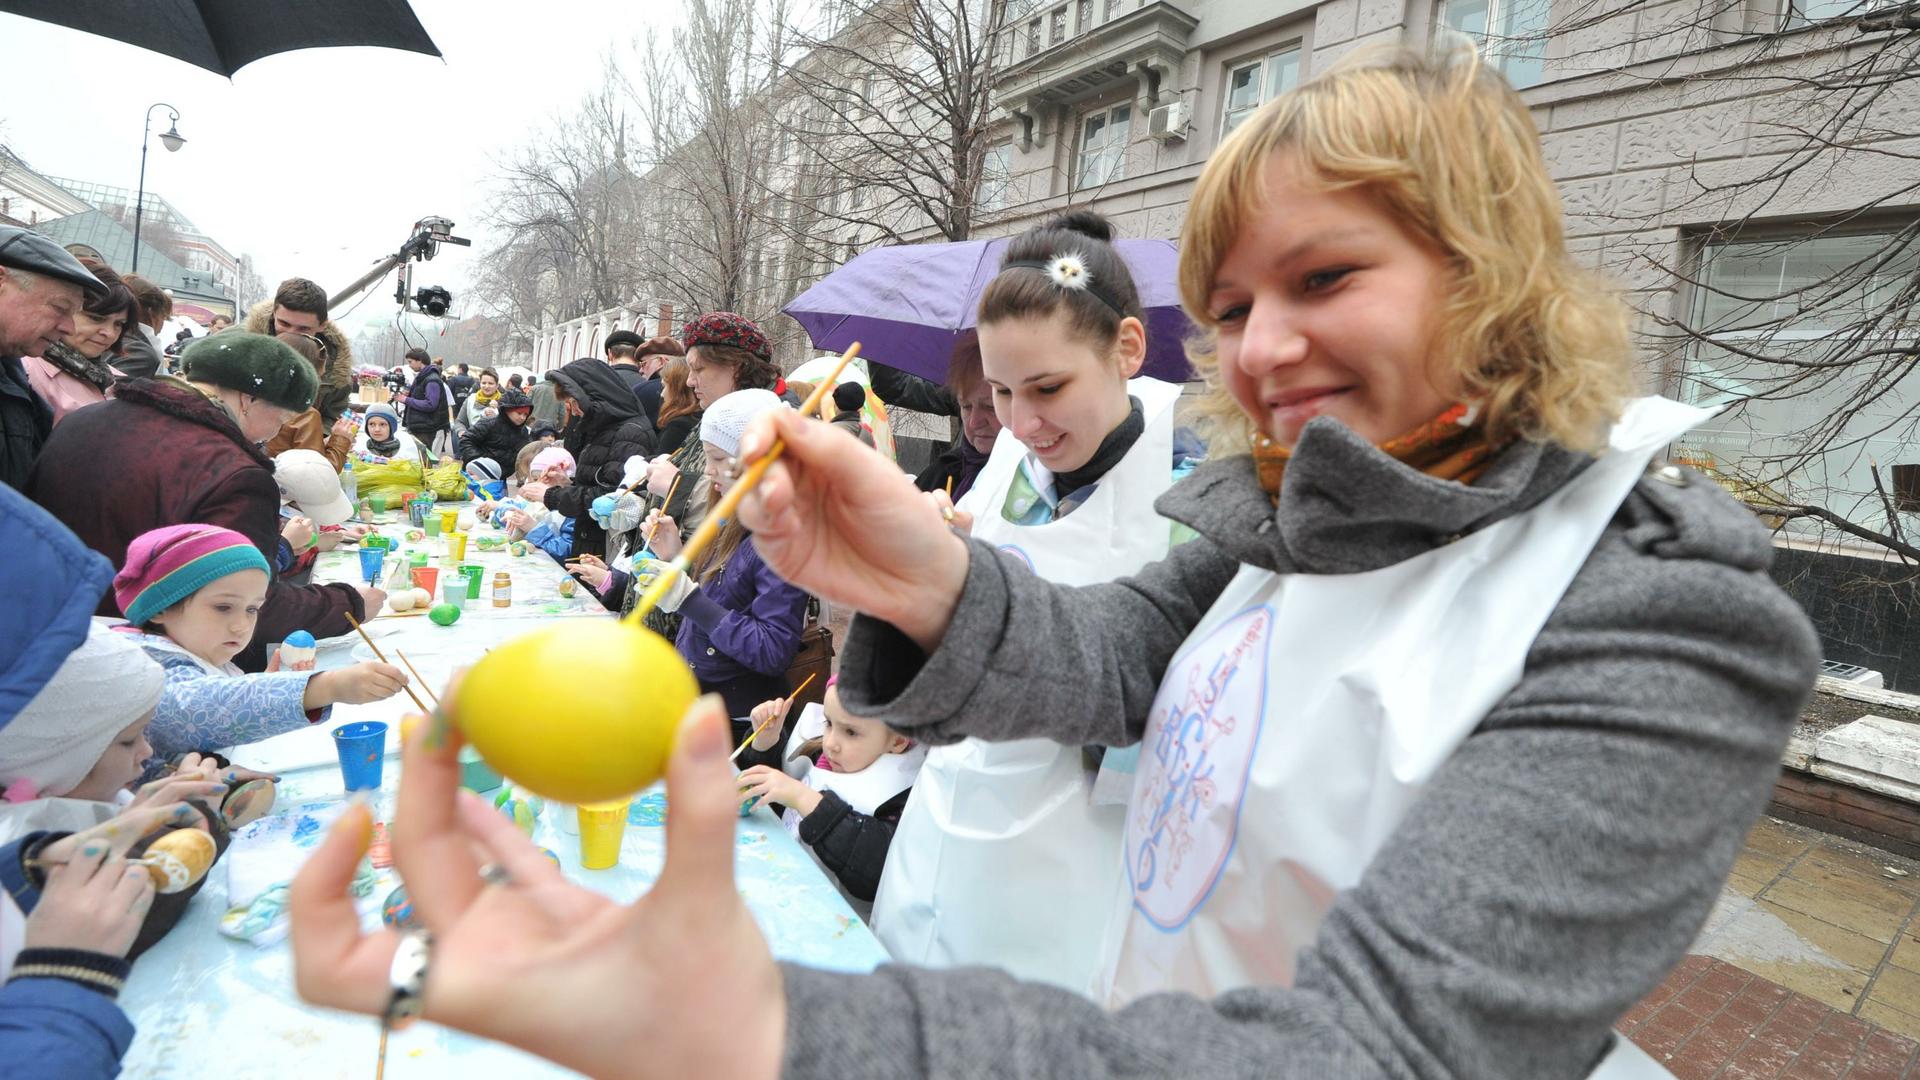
(555, 542)
(49, 585)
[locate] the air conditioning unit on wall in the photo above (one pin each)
(1168, 122)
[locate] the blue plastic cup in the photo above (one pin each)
(363, 750)
(370, 560)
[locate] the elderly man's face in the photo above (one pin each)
(35, 314)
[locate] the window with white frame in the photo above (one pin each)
(1798, 13)
(1806, 424)
(1252, 83)
(1103, 146)
(1511, 33)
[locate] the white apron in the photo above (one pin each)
(864, 791)
(1306, 713)
(1000, 857)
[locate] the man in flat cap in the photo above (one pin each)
(638, 362)
(41, 286)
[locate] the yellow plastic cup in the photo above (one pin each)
(450, 519)
(602, 825)
(456, 546)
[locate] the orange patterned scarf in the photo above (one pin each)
(1445, 447)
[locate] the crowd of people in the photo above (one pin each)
(1397, 722)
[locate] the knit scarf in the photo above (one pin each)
(1448, 447)
(485, 399)
(70, 360)
(386, 447)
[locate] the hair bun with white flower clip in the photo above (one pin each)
(1068, 271)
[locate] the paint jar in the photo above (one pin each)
(502, 589)
(602, 827)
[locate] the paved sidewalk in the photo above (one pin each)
(1712, 1021)
(1808, 967)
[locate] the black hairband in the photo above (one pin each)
(1069, 272)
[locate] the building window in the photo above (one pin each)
(1797, 13)
(1103, 146)
(1512, 33)
(996, 178)
(1807, 427)
(1253, 83)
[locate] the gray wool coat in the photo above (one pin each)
(1555, 869)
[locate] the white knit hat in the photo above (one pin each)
(726, 420)
(104, 685)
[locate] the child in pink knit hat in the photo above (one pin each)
(192, 594)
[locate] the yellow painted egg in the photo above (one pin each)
(611, 697)
(179, 859)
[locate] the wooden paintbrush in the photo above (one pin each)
(710, 527)
(778, 713)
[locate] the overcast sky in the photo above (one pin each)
(318, 162)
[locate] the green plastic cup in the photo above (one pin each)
(474, 572)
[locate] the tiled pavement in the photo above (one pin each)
(1809, 967)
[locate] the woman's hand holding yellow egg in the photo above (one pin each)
(680, 983)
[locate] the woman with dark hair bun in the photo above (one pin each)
(1071, 492)
(78, 371)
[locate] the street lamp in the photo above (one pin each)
(172, 140)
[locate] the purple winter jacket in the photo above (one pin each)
(747, 620)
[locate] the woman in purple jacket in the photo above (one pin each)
(740, 623)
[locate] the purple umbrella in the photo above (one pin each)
(908, 305)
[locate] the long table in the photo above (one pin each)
(206, 1003)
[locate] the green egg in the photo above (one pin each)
(444, 614)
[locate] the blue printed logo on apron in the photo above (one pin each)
(1181, 827)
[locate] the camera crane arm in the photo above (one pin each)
(429, 233)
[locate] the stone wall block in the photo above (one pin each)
(1701, 133)
(1582, 152)
(1335, 21)
(1612, 203)
(1378, 15)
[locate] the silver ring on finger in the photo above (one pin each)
(495, 874)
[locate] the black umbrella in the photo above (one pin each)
(227, 35)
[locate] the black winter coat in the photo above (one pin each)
(494, 437)
(427, 403)
(612, 430)
(25, 423)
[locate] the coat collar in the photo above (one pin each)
(171, 397)
(1346, 507)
